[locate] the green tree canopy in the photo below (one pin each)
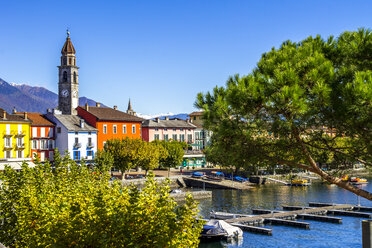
(304, 103)
(72, 206)
(174, 153)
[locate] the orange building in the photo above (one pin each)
(111, 123)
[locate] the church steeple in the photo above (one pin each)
(68, 86)
(130, 110)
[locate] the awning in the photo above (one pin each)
(15, 165)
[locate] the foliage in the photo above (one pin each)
(305, 104)
(71, 206)
(125, 152)
(150, 155)
(175, 151)
(103, 161)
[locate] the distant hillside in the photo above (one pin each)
(26, 98)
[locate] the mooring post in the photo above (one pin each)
(366, 233)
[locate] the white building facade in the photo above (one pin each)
(75, 136)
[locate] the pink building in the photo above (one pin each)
(174, 129)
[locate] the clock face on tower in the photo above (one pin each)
(64, 93)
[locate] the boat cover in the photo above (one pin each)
(222, 226)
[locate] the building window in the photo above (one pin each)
(124, 128)
(76, 140)
(43, 144)
(58, 130)
(34, 132)
(156, 129)
(104, 129)
(90, 142)
(8, 142)
(174, 129)
(194, 118)
(51, 144)
(20, 142)
(115, 129)
(165, 129)
(189, 138)
(156, 136)
(20, 154)
(181, 129)
(182, 137)
(76, 155)
(8, 154)
(165, 137)
(174, 137)
(65, 76)
(133, 128)
(89, 133)
(42, 132)
(34, 144)
(90, 154)
(74, 76)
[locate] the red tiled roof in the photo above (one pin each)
(110, 114)
(12, 117)
(37, 119)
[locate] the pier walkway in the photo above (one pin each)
(289, 215)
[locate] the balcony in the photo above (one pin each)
(20, 134)
(20, 146)
(90, 145)
(8, 147)
(7, 135)
(77, 145)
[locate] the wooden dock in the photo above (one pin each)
(315, 211)
(290, 214)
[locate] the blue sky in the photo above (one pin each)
(158, 53)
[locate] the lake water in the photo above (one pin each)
(321, 234)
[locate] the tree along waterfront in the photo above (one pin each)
(306, 104)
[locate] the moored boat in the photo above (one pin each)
(299, 182)
(225, 216)
(356, 180)
(220, 230)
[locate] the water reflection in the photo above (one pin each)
(273, 197)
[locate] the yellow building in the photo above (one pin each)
(14, 139)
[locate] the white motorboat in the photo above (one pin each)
(225, 216)
(220, 230)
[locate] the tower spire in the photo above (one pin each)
(129, 106)
(130, 110)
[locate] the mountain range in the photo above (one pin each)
(26, 98)
(34, 99)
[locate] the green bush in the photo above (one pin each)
(74, 206)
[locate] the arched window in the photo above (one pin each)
(65, 76)
(70, 61)
(74, 76)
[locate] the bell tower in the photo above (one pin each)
(68, 83)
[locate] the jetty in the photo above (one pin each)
(290, 214)
(214, 184)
